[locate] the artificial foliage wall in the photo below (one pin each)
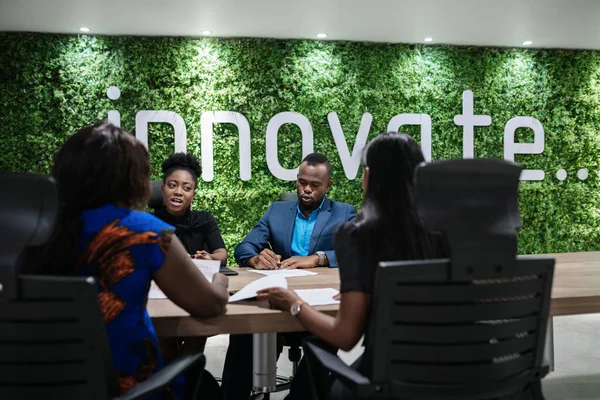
(51, 85)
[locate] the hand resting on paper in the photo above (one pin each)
(337, 297)
(278, 298)
(300, 262)
(202, 255)
(266, 259)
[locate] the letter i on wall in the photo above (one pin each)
(114, 117)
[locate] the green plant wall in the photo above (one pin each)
(51, 85)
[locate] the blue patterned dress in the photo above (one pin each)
(121, 249)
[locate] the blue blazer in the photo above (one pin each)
(277, 227)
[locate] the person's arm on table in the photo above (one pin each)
(218, 254)
(342, 331)
(185, 285)
(311, 261)
(214, 243)
(346, 328)
(254, 250)
(266, 259)
(302, 262)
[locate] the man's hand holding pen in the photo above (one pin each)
(266, 259)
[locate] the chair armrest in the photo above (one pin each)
(164, 376)
(323, 358)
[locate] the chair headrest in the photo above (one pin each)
(156, 200)
(474, 202)
(28, 212)
(288, 196)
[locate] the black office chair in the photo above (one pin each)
(53, 343)
(288, 196)
(471, 327)
(156, 199)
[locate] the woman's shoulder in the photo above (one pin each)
(142, 221)
(201, 213)
(349, 227)
(346, 231)
(201, 216)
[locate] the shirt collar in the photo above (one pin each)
(299, 211)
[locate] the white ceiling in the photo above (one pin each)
(549, 23)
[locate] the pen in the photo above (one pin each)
(271, 247)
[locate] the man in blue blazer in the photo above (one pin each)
(291, 234)
(298, 234)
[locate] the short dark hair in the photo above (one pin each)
(314, 159)
(185, 161)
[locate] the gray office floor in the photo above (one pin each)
(577, 358)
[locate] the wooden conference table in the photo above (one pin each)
(576, 290)
(246, 317)
(242, 317)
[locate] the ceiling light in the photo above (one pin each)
(428, 39)
(527, 43)
(321, 35)
(84, 29)
(206, 32)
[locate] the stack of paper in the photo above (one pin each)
(287, 273)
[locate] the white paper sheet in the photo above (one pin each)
(286, 273)
(156, 294)
(318, 297)
(208, 267)
(249, 291)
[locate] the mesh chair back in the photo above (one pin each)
(53, 342)
(27, 217)
(438, 338)
(472, 326)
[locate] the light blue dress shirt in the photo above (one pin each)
(303, 228)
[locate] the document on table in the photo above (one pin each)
(286, 273)
(249, 291)
(318, 297)
(208, 268)
(155, 292)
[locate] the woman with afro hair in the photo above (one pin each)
(197, 230)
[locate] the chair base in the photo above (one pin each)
(283, 383)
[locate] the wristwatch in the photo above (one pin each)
(321, 255)
(296, 307)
